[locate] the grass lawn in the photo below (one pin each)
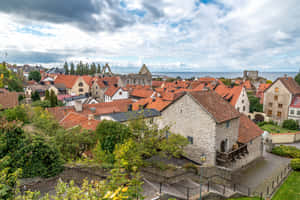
(290, 189)
(276, 129)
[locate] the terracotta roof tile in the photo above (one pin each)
(248, 130)
(142, 93)
(8, 99)
(111, 91)
(67, 80)
(214, 104)
(73, 119)
(290, 84)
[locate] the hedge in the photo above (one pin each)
(286, 151)
(295, 164)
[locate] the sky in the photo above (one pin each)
(166, 35)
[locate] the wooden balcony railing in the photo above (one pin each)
(227, 157)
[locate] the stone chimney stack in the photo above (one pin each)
(78, 106)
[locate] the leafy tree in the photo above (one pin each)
(38, 158)
(35, 75)
(66, 67)
(98, 69)
(20, 98)
(297, 78)
(43, 104)
(290, 124)
(111, 133)
(35, 96)
(93, 69)
(16, 113)
(53, 99)
(173, 145)
(72, 70)
(269, 82)
(74, 142)
(47, 95)
(10, 79)
(255, 105)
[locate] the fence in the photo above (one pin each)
(273, 184)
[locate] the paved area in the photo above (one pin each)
(260, 170)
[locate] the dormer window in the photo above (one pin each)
(277, 89)
(80, 84)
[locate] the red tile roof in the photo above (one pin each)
(295, 102)
(214, 104)
(73, 119)
(248, 130)
(247, 84)
(157, 83)
(8, 99)
(111, 91)
(290, 84)
(67, 80)
(158, 104)
(141, 93)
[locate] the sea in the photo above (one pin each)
(184, 75)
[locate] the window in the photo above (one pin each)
(238, 109)
(275, 98)
(269, 112)
(96, 87)
(242, 101)
(96, 93)
(244, 108)
(277, 89)
(120, 93)
(80, 84)
(270, 104)
(280, 105)
(298, 112)
(292, 112)
(80, 90)
(227, 124)
(190, 139)
(278, 114)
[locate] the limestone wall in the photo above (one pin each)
(281, 138)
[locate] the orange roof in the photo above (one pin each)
(235, 93)
(88, 80)
(67, 80)
(158, 104)
(111, 91)
(229, 94)
(74, 119)
(263, 86)
(157, 83)
(248, 130)
(247, 84)
(143, 93)
(141, 103)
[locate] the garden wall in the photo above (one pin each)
(282, 138)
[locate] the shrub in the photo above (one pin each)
(295, 164)
(286, 151)
(191, 166)
(290, 124)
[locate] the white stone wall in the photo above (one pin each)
(255, 149)
(243, 102)
(294, 113)
(230, 133)
(120, 94)
(186, 117)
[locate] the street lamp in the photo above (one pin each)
(202, 159)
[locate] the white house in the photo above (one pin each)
(115, 93)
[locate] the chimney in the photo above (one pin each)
(78, 106)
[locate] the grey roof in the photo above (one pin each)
(132, 115)
(75, 98)
(56, 70)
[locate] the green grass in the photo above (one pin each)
(290, 189)
(276, 129)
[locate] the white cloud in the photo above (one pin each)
(231, 35)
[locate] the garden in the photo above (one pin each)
(288, 126)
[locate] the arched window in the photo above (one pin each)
(80, 84)
(224, 145)
(80, 90)
(277, 89)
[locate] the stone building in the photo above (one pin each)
(144, 77)
(212, 127)
(73, 85)
(278, 98)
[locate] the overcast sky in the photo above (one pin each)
(207, 35)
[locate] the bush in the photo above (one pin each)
(290, 124)
(286, 151)
(295, 164)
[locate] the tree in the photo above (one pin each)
(110, 133)
(35, 96)
(290, 124)
(297, 78)
(34, 75)
(17, 113)
(66, 67)
(10, 79)
(93, 69)
(72, 71)
(98, 69)
(255, 105)
(47, 95)
(53, 99)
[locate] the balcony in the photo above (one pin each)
(224, 158)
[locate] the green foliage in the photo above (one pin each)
(106, 159)
(72, 70)
(43, 104)
(290, 124)
(286, 151)
(35, 96)
(35, 75)
(74, 142)
(128, 155)
(16, 113)
(295, 164)
(226, 81)
(255, 105)
(173, 145)
(111, 133)
(290, 188)
(269, 82)
(98, 69)
(191, 166)
(20, 98)
(66, 67)
(38, 158)
(297, 78)
(10, 79)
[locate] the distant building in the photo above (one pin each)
(278, 98)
